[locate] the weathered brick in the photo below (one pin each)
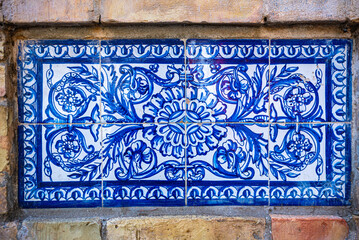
(211, 11)
(8, 230)
(308, 227)
(50, 11)
(186, 228)
(87, 230)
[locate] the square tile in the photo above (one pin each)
(59, 166)
(58, 81)
(228, 165)
(310, 80)
(142, 81)
(309, 164)
(227, 80)
(144, 164)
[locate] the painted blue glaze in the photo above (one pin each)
(133, 122)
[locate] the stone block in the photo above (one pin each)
(86, 230)
(8, 230)
(50, 11)
(186, 228)
(356, 220)
(307, 11)
(308, 227)
(210, 11)
(2, 78)
(3, 194)
(4, 138)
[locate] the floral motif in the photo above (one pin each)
(229, 157)
(169, 106)
(139, 157)
(70, 99)
(237, 85)
(68, 146)
(299, 146)
(296, 98)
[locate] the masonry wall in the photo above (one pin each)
(226, 19)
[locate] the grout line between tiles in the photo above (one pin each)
(144, 123)
(101, 125)
(269, 116)
(185, 127)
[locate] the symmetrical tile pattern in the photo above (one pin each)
(167, 122)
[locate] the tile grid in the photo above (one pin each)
(186, 180)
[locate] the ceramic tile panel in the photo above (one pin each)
(166, 122)
(59, 166)
(144, 164)
(230, 166)
(310, 164)
(310, 81)
(59, 81)
(227, 80)
(142, 81)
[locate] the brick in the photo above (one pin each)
(86, 230)
(211, 11)
(186, 228)
(308, 227)
(8, 230)
(308, 11)
(50, 11)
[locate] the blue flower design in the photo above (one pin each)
(296, 99)
(299, 146)
(68, 146)
(201, 134)
(70, 99)
(230, 155)
(139, 157)
(237, 85)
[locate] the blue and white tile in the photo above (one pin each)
(298, 93)
(309, 164)
(58, 81)
(59, 166)
(227, 164)
(223, 85)
(144, 164)
(310, 80)
(143, 81)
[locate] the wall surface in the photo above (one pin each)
(217, 19)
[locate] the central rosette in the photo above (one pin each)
(184, 124)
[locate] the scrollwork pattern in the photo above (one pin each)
(142, 122)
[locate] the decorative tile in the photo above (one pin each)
(142, 81)
(309, 164)
(310, 80)
(58, 81)
(144, 164)
(167, 123)
(60, 166)
(227, 80)
(229, 166)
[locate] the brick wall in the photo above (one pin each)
(109, 19)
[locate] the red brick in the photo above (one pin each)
(308, 227)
